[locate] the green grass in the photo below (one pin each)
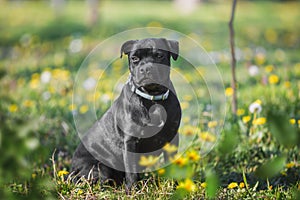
(38, 134)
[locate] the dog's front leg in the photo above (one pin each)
(131, 160)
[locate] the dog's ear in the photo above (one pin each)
(174, 48)
(127, 46)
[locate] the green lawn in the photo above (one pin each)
(256, 155)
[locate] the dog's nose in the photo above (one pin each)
(145, 69)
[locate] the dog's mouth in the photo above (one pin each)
(153, 89)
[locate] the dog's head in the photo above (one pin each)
(149, 62)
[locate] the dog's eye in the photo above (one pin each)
(135, 59)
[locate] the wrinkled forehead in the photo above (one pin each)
(157, 44)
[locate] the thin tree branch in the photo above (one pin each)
(233, 59)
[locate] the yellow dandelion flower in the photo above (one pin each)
(148, 161)
(72, 107)
(79, 192)
(193, 156)
(259, 121)
(62, 102)
(206, 136)
(212, 124)
(188, 185)
(13, 108)
(270, 187)
(189, 130)
(273, 79)
(204, 184)
(258, 101)
(298, 121)
(117, 65)
(83, 109)
(240, 112)
(290, 165)
(61, 74)
(96, 73)
(34, 83)
(28, 103)
(232, 185)
(170, 148)
(246, 119)
(260, 58)
(184, 105)
(186, 119)
(287, 84)
(180, 161)
(62, 173)
(161, 171)
(65, 75)
(271, 36)
(187, 97)
(242, 185)
(33, 175)
(97, 95)
(51, 89)
(229, 91)
(35, 76)
(154, 31)
(154, 24)
(292, 121)
(269, 68)
(21, 82)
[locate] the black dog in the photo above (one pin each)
(143, 119)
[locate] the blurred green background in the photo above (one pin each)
(43, 43)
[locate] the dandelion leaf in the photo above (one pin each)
(271, 168)
(281, 129)
(212, 182)
(229, 141)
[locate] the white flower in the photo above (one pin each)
(255, 107)
(89, 84)
(75, 46)
(253, 70)
(46, 77)
(32, 143)
(74, 112)
(105, 98)
(46, 95)
(186, 6)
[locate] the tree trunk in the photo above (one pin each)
(233, 60)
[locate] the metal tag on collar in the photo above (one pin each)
(132, 88)
(165, 95)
